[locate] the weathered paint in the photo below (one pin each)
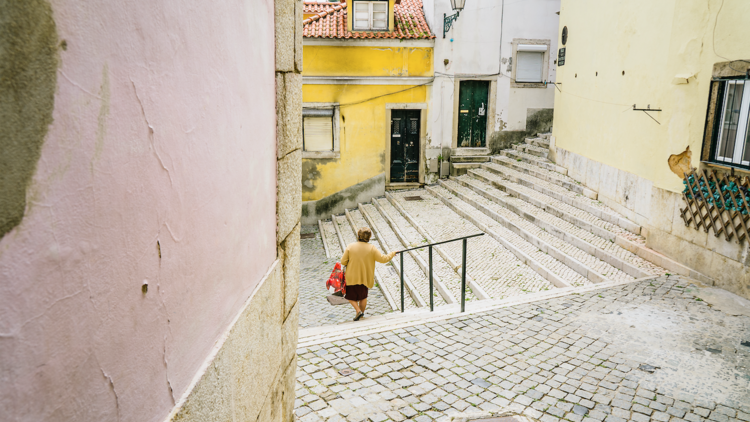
(473, 48)
(625, 53)
(158, 167)
(362, 134)
(28, 78)
(324, 60)
(650, 42)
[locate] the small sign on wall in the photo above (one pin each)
(561, 56)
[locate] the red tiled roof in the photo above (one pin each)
(330, 22)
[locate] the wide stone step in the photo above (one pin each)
(469, 151)
(473, 288)
(416, 282)
(458, 169)
(445, 279)
(580, 261)
(539, 142)
(601, 246)
(562, 194)
(582, 216)
(533, 150)
(470, 159)
(534, 160)
(490, 264)
(546, 175)
(548, 262)
(330, 240)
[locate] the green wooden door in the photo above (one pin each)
(472, 113)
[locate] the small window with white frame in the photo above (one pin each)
(733, 131)
(370, 16)
(531, 60)
(320, 130)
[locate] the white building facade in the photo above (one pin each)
(494, 72)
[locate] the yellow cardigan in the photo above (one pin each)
(359, 258)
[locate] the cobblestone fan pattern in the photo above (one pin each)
(387, 273)
(315, 268)
(411, 268)
(643, 351)
(598, 265)
(491, 265)
(562, 206)
(552, 264)
(602, 267)
(547, 185)
(441, 268)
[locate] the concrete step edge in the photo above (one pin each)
(613, 217)
(393, 321)
(478, 290)
(567, 260)
(562, 234)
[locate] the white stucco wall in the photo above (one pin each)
(472, 47)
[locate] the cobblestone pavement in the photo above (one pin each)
(315, 268)
(642, 351)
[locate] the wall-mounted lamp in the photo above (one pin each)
(458, 6)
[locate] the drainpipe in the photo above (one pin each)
(502, 28)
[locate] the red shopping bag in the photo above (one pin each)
(337, 280)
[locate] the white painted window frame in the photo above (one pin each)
(370, 13)
(743, 121)
(336, 152)
(545, 61)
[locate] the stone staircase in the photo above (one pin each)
(463, 159)
(543, 231)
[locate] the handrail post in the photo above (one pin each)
(463, 278)
(432, 304)
(401, 255)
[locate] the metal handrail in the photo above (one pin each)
(463, 269)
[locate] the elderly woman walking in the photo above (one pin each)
(359, 258)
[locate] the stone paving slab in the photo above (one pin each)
(315, 268)
(643, 351)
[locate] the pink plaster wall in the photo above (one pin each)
(164, 130)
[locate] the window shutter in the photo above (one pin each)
(361, 15)
(380, 15)
(318, 133)
(529, 66)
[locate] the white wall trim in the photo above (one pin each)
(366, 80)
(336, 130)
(368, 42)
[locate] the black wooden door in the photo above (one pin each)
(405, 126)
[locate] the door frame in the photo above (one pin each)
(491, 105)
(422, 107)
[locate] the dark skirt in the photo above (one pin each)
(356, 293)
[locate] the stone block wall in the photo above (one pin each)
(715, 260)
(251, 372)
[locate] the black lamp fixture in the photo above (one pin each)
(458, 6)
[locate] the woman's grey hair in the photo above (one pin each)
(364, 234)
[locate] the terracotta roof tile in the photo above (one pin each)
(330, 22)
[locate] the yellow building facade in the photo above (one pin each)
(371, 85)
(640, 83)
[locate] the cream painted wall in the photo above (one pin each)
(651, 42)
(163, 133)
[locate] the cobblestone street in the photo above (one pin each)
(661, 350)
(314, 271)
